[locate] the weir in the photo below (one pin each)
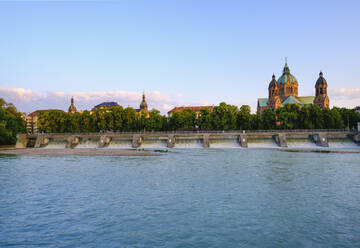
(280, 140)
(233, 139)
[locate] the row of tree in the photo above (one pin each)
(11, 123)
(222, 117)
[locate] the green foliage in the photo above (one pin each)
(223, 117)
(11, 123)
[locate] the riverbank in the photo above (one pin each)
(78, 152)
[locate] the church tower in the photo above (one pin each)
(143, 104)
(72, 108)
(274, 101)
(321, 97)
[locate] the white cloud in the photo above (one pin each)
(349, 93)
(345, 97)
(28, 100)
(19, 93)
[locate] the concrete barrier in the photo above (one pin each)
(280, 140)
(242, 139)
(104, 141)
(136, 141)
(206, 141)
(320, 139)
(356, 139)
(21, 141)
(171, 141)
(41, 141)
(72, 142)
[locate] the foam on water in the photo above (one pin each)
(194, 143)
(56, 145)
(301, 143)
(120, 144)
(262, 143)
(154, 144)
(343, 143)
(88, 144)
(224, 143)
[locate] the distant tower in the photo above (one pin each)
(274, 101)
(143, 104)
(321, 97)
(72, 108)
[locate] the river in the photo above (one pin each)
(189, 198)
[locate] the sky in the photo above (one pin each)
(178, 52)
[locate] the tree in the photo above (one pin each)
(269, 120)
(224, 117)
(11, 123)
(205, 121)
(244, 118)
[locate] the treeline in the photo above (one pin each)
(11, 123)
(222, 117)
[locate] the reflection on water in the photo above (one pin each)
(189, 198)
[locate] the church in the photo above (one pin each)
(285, 91)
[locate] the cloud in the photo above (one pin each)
(345, 97)
(28, 100)
(19, 94)
(349, 93)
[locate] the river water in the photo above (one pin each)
(191, 198)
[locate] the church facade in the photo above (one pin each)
(285, 91)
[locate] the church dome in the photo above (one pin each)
(273, 82)
(321, 80)
(286, 77)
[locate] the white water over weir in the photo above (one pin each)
(234, 139)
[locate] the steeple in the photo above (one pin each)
(143, 104)
(286, 69)
(72, 108)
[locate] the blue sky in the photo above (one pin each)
(179, 52)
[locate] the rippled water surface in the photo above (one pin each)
(192, 198)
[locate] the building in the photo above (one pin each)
(143, 106)
(285, 91)
(196, 109)
(72, 108)
(357, 109)
(32, 119)
(105, 105)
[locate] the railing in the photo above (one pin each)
(200, 132)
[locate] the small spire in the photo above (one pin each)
(285, 60)
(72, 100)
(273, 76)
(320, 74)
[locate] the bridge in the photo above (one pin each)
(206, 138)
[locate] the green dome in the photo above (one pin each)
(286, 76)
